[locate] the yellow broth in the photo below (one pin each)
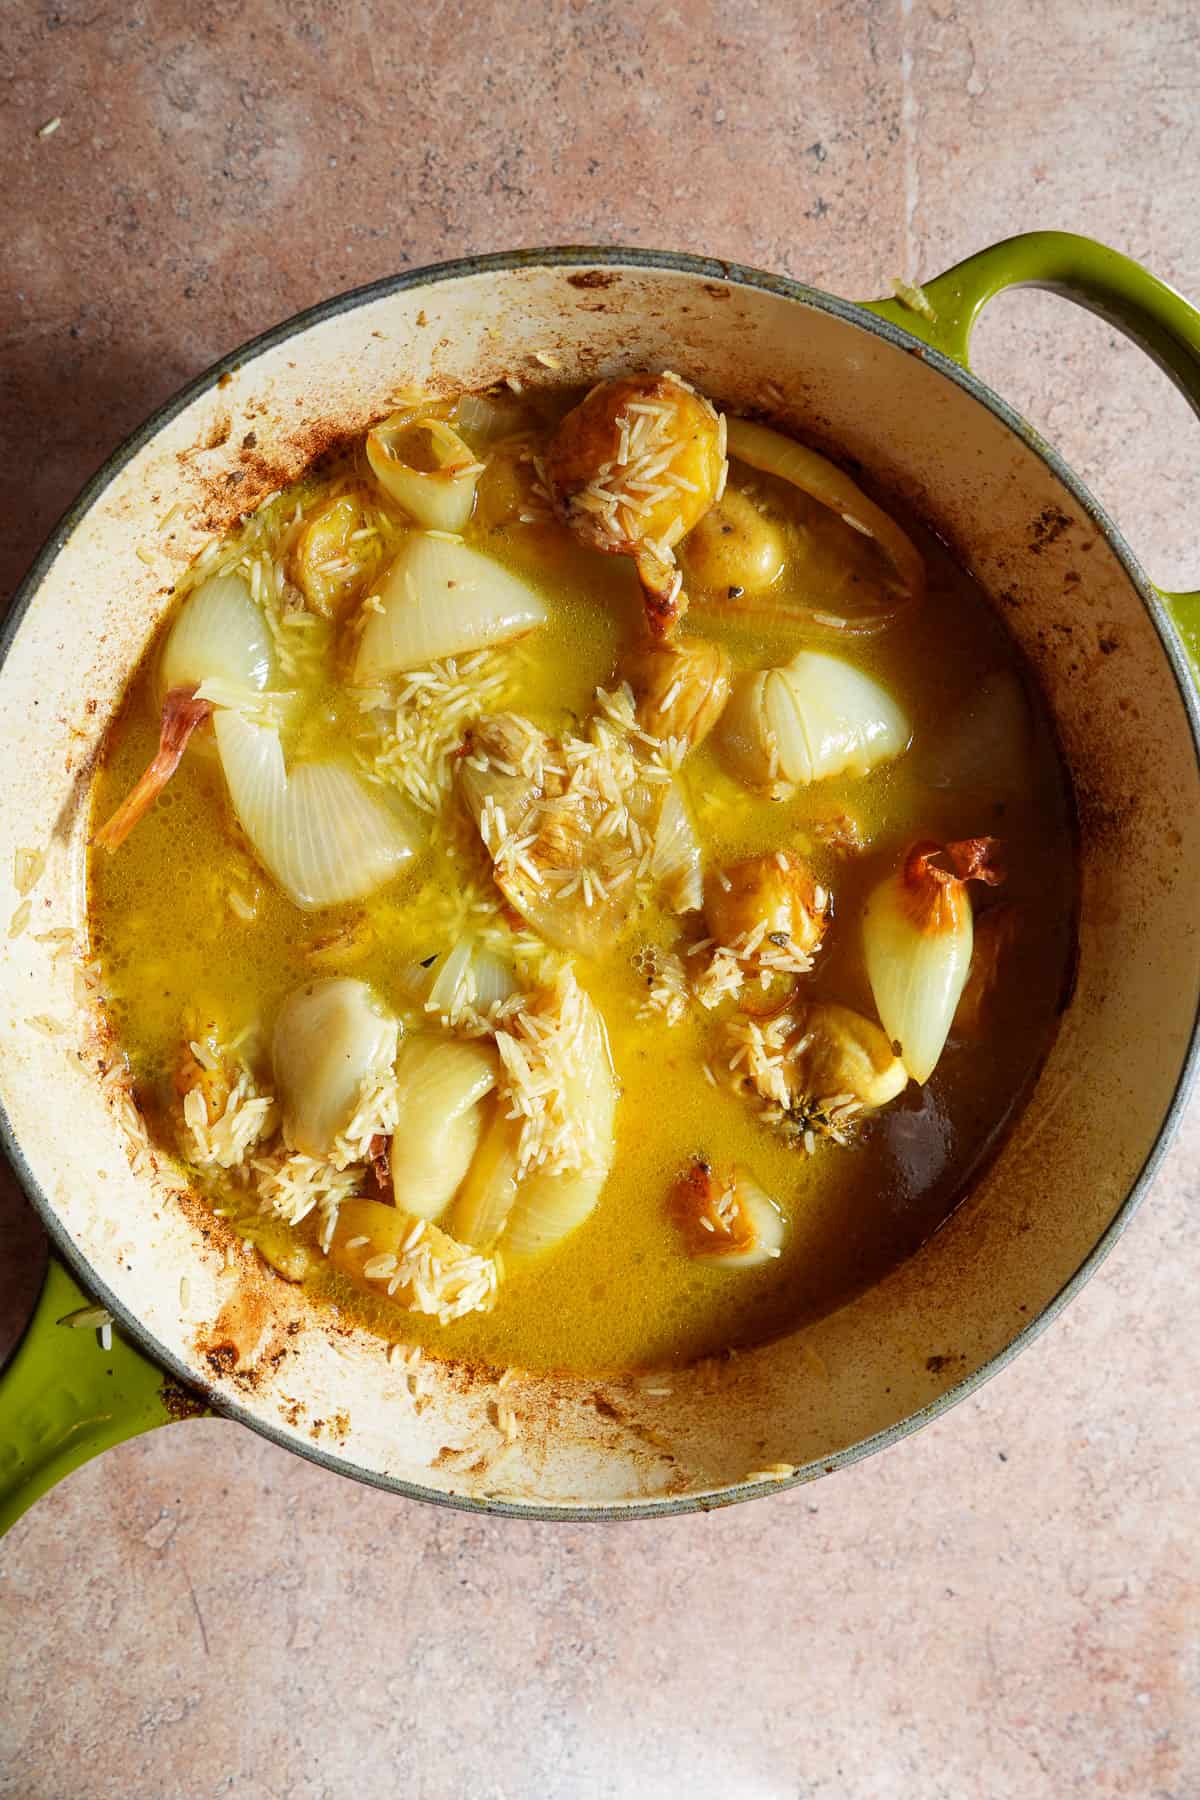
(621, 1291)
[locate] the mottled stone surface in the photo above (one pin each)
(1004, 1606)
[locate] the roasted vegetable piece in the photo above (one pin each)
(411, 1261)
(731, 1220)
(331, 557)
(440, 1120)
(918, 934)
(839, 1053)
(553, 1201)
(766, 902)
(331, 1037)
(680, 688)
(426, 468)
(220, 637)
(845, 593)
(632, 469)
(441, 598)
(816, 1068)
(736, 553)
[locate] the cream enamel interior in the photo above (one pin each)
(1099, 1107)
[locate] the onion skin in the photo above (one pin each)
(181, 715)
(918, 938)
(218, 634)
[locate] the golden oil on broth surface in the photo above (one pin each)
(621, 1291)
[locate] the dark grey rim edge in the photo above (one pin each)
(850, 313)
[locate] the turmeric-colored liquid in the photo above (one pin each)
(622, 1291)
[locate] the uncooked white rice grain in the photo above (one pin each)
(27, 869)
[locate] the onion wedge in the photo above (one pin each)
(811, 719)
(426, 468)
(918, 937)
(440, 598)
(331, 1037)
(320, 830)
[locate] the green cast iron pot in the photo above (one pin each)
(199, 1324)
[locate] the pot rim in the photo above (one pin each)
(850, 313)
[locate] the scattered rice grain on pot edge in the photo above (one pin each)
(771, 1472)
(28, 867)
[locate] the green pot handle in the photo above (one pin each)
(63, 1398)
(943, 312)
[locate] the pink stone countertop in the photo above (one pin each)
(1005, 1606)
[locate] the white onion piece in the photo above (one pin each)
(219, 635)
(551, 1205)
(449, 987)
(493, 978)
(548, 1208)
(426, 468)
(811, 719)
(916, 979)
(467, 976)
(486, 1196)
(414, 981)
(320, 831)
(678, 860)
(440, 1121)
(918, 934)
(440, 598)
(330, 1038)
